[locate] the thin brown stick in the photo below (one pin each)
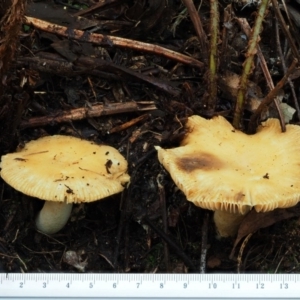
(94, 111)
(285, 29)
(111, 41)
(197, 25)
(240, 255)
(129, 123)
(224, 57)
(162, 200)
(54, 64)
(176, 248)
(95, 6)
(269, 98)
(284, 68)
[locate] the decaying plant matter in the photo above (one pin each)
(129, 75)
(11, 19)
(12, 16)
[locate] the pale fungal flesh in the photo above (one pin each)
(223, 169)
(65, 170)
(53, 216)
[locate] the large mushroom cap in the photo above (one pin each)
(220, 168)
(65, 169)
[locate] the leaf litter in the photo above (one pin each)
(71, 84)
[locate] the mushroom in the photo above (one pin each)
(220, 168)
(63, 170)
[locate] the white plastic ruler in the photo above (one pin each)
(149, 286)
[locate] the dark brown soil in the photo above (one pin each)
(146, 228)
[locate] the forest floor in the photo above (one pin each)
(141, 98)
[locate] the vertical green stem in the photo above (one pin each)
(213, 56)
(248, 63)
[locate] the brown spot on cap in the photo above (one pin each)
(20, 159)
(108, 166)
(239, 197)
(205, 162)
(221, 170)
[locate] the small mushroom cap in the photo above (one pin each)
(66, 169)
(220, 168)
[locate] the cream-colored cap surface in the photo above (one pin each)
(220, 168)
(65, 168)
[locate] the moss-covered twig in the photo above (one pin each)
(251, 51)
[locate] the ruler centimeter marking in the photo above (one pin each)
(148, 286)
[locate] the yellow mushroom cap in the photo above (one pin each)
(66, 169)
(220, 168)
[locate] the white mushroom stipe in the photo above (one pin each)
(63, 170)
(227, 223)
(53, 216)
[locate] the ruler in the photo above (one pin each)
(149, 286)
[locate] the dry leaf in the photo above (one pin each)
(230, 83)
(254, 221)
(213, 262)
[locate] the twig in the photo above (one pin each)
(247, 30)
(102, 64)
(107, 260)
(54, 64)
(130, 123)
(240, 255)
(224, 57)
(162, 200)
(269, 98)
(95, 111)
(282, 258)
(50, 63)
(123, 226)
(111, 41)
(197, 25)
(204, 244)
(213, 57)
(284, 68)
(172, 244)
(93, 7)
(285, 29)
(251, 51)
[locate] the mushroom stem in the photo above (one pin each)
(227, 223)
(53, 216)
